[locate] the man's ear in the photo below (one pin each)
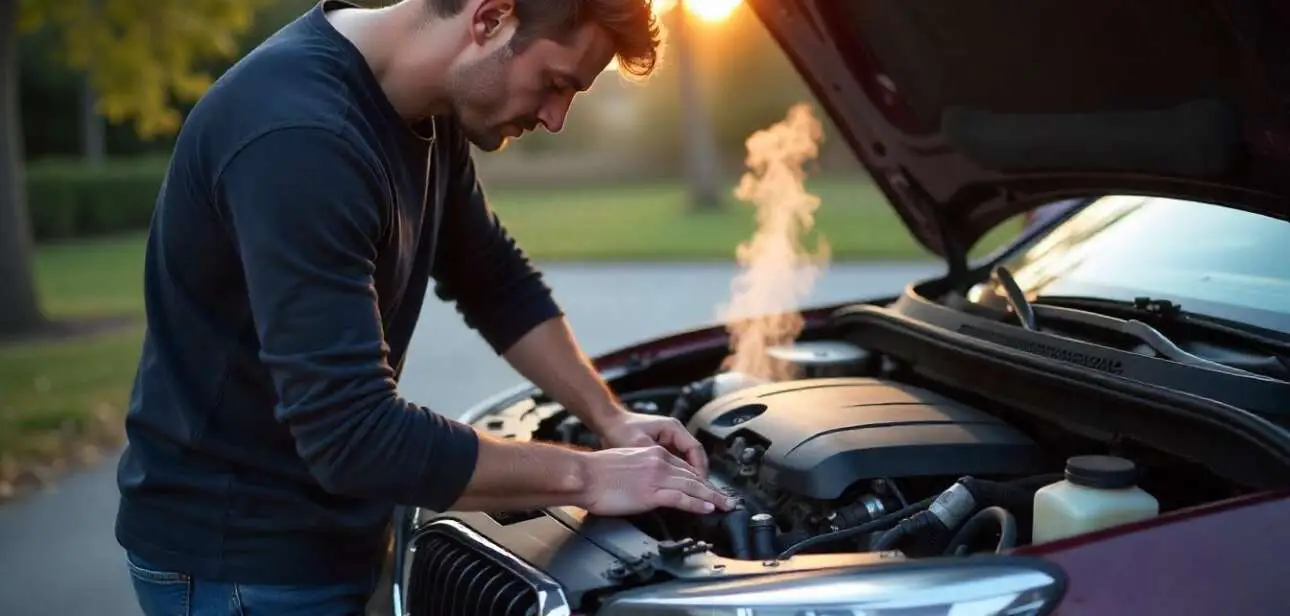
(491, 18)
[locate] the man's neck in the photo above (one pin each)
(408, 59)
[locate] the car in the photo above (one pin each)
(1093, 419)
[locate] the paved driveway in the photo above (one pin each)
(58, 556)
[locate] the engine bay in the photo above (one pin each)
(878, 448)
(835, 461)
(815, 456)
(854, 456)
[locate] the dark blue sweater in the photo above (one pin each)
(288, 259)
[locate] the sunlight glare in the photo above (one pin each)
(662, 6)
(705, 10)
(711, 10)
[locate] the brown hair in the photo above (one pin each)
(631, 24)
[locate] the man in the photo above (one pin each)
(314, 192)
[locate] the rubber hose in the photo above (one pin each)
(855, 531)
(926, 534)
(889, 539)
(996, 516)
(763, 541)
(735, 524)
(1015, 499)
(991, 493)
(884, 521)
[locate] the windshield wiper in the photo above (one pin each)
(1016, 298)
(1030, 314)
(1171, 312)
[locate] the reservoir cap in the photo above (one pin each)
(1104, 472)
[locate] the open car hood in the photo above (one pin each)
(968, 113)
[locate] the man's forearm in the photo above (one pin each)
(511, 475)
(549, 357)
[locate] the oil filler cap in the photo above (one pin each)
(1101, 472)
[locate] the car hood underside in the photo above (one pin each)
(968, 113)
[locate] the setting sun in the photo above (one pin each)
(711, 10)
(706, 10)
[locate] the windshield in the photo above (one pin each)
(1211, 260)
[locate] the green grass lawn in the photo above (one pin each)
(59, 396)
(653, 223)
(55, 393)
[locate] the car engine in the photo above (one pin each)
(829, 460)
(824, 454)
(817, 439)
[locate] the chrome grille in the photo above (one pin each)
(456, 572)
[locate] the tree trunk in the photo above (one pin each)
(93, 141)
(700, 141)
(19, 306)
(93, 130)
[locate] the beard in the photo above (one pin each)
(479, 96)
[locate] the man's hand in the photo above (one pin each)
(549, 358)
(628, 481)
(625, 428)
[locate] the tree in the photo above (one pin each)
(19, 309)
(700, 141)
(140, 57)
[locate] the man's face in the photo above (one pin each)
(499, 94)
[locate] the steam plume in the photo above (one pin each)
(777, 270)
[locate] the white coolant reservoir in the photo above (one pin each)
(1098, 492)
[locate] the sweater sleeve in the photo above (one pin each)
(306, 213)
(481, 268)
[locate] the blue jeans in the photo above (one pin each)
(171, 593)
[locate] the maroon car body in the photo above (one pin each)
(966, 114)
(1225, 557)
(922, 91)
(1220, 558)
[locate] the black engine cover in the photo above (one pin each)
(826, 434)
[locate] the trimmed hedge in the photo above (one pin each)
(72, 199)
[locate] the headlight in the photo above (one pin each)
(965, 587)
